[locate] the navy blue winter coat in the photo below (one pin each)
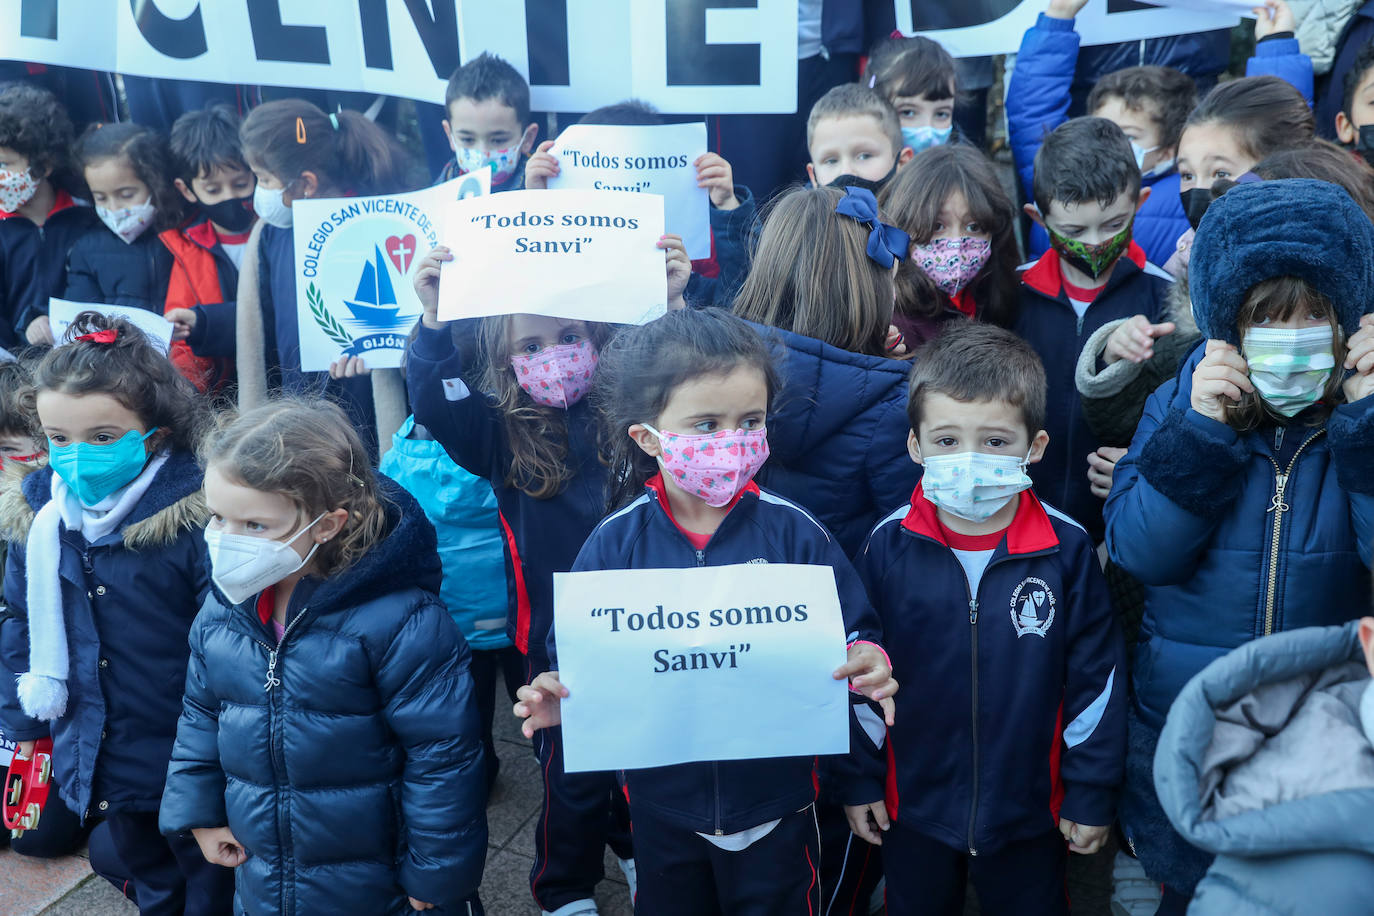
(837, 435)
(348, 759)
(730, 795)
(1331, 92)
(1226, 554)
(33, 262)
(103, 268)
(1048, 321)
(129, 600)
(542, 535)
(1012, 711)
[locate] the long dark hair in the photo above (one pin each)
(642, 366)
(1266, 113)
(912, 201)
(148, 155)
(291, 136)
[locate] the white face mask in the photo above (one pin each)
(129, 222)
(973, 485)
(242, 566)
(271, 209)
(1290, 367)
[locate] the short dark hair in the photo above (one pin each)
(205, 140)
(35, 125)
(1085, 159)
(1266, 113)
(973, 361)
(147, 154)
(917, 66)
(628, 112)
(851, 100)
(487, 76)
(1164, 94)
(1364, 62)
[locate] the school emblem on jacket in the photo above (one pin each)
(1032, 607)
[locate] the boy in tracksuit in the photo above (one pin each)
(1087, 195)
(1010, 733)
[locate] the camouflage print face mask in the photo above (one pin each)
(1093, 260)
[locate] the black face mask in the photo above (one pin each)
(235, 213)
(1365, 144)
(868, 184)
(1195, 204)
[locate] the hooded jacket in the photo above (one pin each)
(1266, 761)
(128, 602)
(33, 262)
(347, 759)
(1355, 32)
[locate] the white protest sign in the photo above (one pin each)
(589, 255)
(354, 259)
(62, 313)
(667, 666)
(652, 159)
(981, 27)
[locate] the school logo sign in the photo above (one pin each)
(1032, 607)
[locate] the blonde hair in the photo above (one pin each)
(812, 275)
(309, 452)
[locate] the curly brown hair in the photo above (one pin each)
(35, 124)
(17, 417)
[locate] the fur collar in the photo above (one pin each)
(15, 513)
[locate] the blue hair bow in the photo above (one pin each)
(886, 244)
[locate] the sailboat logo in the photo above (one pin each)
(1032, 607)
(374, 306)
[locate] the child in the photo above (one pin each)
(488, 124)
(1087, 193)
(963, 243)
(1244, 503)
(1037, 762)
(213, 178)
(691, 378)
(854, 138)
(326, 681)
(105, 573)
(1265, 761)
(917, 76)
(462, 508)
(39, 220)
(537, 445)
(1357, 105)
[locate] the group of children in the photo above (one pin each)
(270, 671)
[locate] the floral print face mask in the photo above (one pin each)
(714, 467)
(558, 376)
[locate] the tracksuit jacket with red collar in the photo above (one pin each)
(731, 795)
(1012, 711)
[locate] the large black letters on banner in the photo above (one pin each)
(38, 19)
(1127, 6)
(304, 44)
(693, 62)
(181, 38)
(944, 14)
(438, 33)
(546, 41)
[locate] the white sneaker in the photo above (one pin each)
(627, 867)
(576, 908)
(1134, 893)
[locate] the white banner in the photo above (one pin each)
(61, 313)
(589, 255)
(354, 258)
(653, 159)
(665, 666)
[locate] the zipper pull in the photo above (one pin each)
(1278, 438)
(973, 610)
(1277, 504)
(272, 679)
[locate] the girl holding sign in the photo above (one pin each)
(685, 400)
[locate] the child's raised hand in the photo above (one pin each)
(220, 846)
(868, 821)
(1273, 16)
(542, 166)
(679, 269)
(1360, 357)
(183, 322)
(540, 703)
(1135, 339)
(1219, 380)
(715, 175)
(1082, 839)
(869, 673)
(427, 284)
(39, 332)
(1065, 9)
(348, 367)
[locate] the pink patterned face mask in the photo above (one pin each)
(713, 467)
(952, 263)
(16, 189)
(558, 376)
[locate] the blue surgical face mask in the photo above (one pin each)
(925, 136)
(95, 472)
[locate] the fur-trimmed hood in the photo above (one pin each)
(15, 513)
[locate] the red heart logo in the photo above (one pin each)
(401, 251)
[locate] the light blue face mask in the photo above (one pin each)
(94, 472)
(925, 136)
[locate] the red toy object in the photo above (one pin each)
(26, 788)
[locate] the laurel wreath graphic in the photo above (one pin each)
(327, 322)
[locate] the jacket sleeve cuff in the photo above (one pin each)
(1351, 431)
(1088, 805)
(1279, 36)
(433, 344)
(1053, 24)
(1195, 462)
(1094, 382)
